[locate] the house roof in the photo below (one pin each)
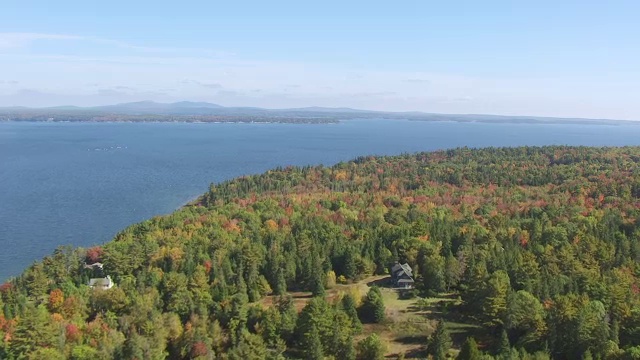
(100, 281)
(94, 265)
(398, 269)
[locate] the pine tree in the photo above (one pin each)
(316, 314)
(312, 345)
(469, 350)
(504, 346)
(494, 306)
(348, 350)
(34, 330)
(341, 346)
(370, 348)
(349, 307)
(317, 279)
(614, 332)
(317, 284)
(281, 283)
(440, 342)
(372, 309)
(350, 270)
(288, 318)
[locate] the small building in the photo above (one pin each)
(402, 276)
(93, 266)
(101, 283)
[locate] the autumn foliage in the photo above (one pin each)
(537, 248)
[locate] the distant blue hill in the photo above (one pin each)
(152, 107)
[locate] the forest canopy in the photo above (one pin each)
(540, 245)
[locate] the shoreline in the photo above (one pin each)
(169, 122)
(514, 121)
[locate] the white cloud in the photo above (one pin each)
(17, 40)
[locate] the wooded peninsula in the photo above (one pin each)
(496, 253)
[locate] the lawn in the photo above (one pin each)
(409, 321)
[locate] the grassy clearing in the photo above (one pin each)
(409, 322)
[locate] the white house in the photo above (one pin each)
(101, 283)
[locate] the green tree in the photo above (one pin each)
(318, 315)
(114, 300)
(525, 318)
(469, 350)
(312, 345)
(504, 346)
(37, 281)
(250, 347)
(341, 346)
(34, 330)
(348, 304)
(84, 352)
(317, 284)
(440, 342)
(593, 328)
(372, 308)
(199, 288)
(370, 348)
(494, 307)
(46, 353)
(177, 297)
(433, 271)
(288, 318)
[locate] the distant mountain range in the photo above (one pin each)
(188, 111)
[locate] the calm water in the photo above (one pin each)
(79, 184)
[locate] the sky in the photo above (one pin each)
(546, 58)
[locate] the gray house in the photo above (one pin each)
(402, 276)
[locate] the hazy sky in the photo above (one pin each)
(552, 58)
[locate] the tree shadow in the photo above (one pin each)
(384, 282)
(412, 339)
(418, 353)
(459, 323)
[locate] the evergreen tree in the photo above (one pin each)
(36, 282)
(316, 314)
(469, 350)
(317, 284)
(341, 346)
(34, 330)
(372, 309)
(504, 346)
(525, 318)
(288, 318)
(250, 347)
(312, 345)
(433, 271)
(370, 348)
(440, 342)
(349, 307)
(46, 353)
(476, 279)
(281, 283)
(84, 352)
(317, 280)
(494, 307)
(350, 270)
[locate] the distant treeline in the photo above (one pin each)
(154, 112)
(93, 117)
